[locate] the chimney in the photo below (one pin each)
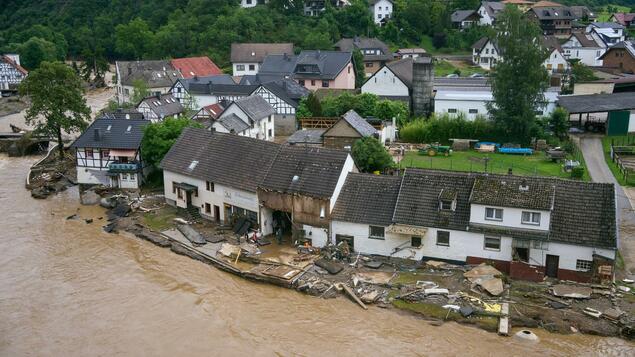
(97, 135)
(422, 82)
(195, 78)
(523, 185)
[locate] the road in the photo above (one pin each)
(591, 147)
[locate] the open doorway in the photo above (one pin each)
(282, 227)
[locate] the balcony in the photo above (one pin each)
(117, 167)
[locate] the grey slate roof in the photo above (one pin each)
(227, 159)
(231, 89)
(365, 43)
(255, 107)
(595, 103)
(155, 73)
(461, 15)
(552, 13)
(233, 123)
(586, 40)
(256, 52)
(493, 7)
(579, 12)
(167, 105)
(513, 191)
(368, 199)
(202, 85)
(403, 70)
(122, 113)
(118, 137)
(317, 171)
(306, 136)
(607, 25)
(629, 46)
(478, 45)
(328, 64)
(358, 123)
(288, 90)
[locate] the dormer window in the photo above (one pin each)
(445, 205)
(447, 200)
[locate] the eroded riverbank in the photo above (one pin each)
(68, 288)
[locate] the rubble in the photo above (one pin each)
(486, 277)
(331, 266)
(571, 291)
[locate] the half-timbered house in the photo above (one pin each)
(11, 73)
(284, 96)
(195, 92)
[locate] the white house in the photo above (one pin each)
(159, 76)
(252, 3)
(489, 11)
(522, 225)
(392, 81)
(485, 53)
(196, 92)
(159, 107)
(556, 62)
(586, 47)
(610, 33)
(256, 115)
(108, 153)
(381, 10)
(284, 96)
(11, 73)
(246, 58)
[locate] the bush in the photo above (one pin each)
(577, 172)
(442, 129)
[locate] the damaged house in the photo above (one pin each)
(527, 227)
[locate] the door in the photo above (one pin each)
(216, 213)
(618, 122)
(552, 266)
(188, 198)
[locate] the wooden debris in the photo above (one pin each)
(352, 295)
(503, 322)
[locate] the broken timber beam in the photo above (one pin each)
(503, 322)
(351, 293)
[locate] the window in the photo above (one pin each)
(452, 110)
(376, 232)
(252, 67)
(492, 243)
(325, 84)
(173, 187)
(445, 205)
(269, 119)
(240, 67)
(89, 153)
(530, 218)
(487, 51)
(126, 91)
(368, 64)
(415, 242)
(179, 193)
(443, 238)
(494, 214)
(209, 186)
(313, 82)
(349, 69)
(208, 208)
(583, 265)
(270, 133)
(473, 111)
(301, 81)
(379, 16)
(105, 153)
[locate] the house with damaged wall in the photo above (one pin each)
(527, 227)
(224, 176)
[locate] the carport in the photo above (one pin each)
(613, 113)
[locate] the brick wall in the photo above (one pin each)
(501, 265)
(619, 59)
(524, 271)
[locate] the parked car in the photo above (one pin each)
(477, 75)
(452, 75)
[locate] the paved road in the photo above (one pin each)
(591, 147)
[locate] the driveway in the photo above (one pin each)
(591, 147)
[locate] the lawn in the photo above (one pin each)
(442, 68)
(604, 15)
(161, 219)
(534, 165)
(606, 146)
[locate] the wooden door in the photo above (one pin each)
(552, 266)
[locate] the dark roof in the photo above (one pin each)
(368, 199)
(195, 66)
(552, 13)
(123, 113)
(154, 73)
(595, 103)
(233, 123)
(202, 85)
(256, 52)
(255, 106)
(288, 90)
(310, 171)
(365, 43)
(403, 70)
(358, 123)
(113, 134)
(551, 43)
(461, 15)
(480, 43)
(607, 25)
(227, 159)
(231, 89)
(306, 136)
(579, 12)
(327, 64)
(164, 105)
(586, 40)
(629, 46)
(513, 191)
(492, 7)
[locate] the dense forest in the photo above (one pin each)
(105, 30)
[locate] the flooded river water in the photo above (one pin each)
(68, 289)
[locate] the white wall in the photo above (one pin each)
(442, 106)
(485, 18)
(511, 217)
(385, 83)
(381, 10)
(245, 70)
(568, 254)
(318, 235)
(349, 166)
(556, 59)
(589, 56)
(260, 129)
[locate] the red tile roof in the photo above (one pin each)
(215, 110)
(196, 66)
(624, 18)
(8, 60)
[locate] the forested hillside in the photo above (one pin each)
(101, 30)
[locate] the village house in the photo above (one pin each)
(252, 3)
(393, 81)
(489, 12)
(485, 53)
(625, 19)
(11, 73)
(522, 5)
(159, 107)
(316, 7)
(195, 92)
(462, 19)
(159, 76)
(583, 13)
(620, 57)
(528, 227)
(250, 116)
(122, 113)
(585, 47)
(610, 33)
(191, 67)
(553, 20)
(108, 153)
(264, 182)
(284, 96)
(409, 53)
(207, 114)
(246, 58)
(375, 52)
(348, 129)
(313, 69)
(381, 10)
(556, 63)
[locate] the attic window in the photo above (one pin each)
(109, 127)
(159, 75)
(191, 73)
(127, 117)
(128, 128)
(192, 165)
(446, 205)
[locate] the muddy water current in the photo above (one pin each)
(69, 289)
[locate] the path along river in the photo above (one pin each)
(68, 289)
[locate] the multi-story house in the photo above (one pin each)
(246, 58)
(527, 227)
(610, 33)
(462, 19)
(108, 153)
(625, 19)
(11, 73)
(375, 52)
(192, 92)
(620, 57)
(381, 10)
(284, 96)
(489, 12)
(554, 21)
(250, 116)
(158, 76)
(485, 53)
(159, 107)
(585, 47)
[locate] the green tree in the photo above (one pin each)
(35, 51)
(140, 91)
(519, 79)
(159, 137)
(57, 101)
(133, 40)
(358, 62)
(370, 155)
(559, 122)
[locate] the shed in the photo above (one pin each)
(613, 112)
(350, 127)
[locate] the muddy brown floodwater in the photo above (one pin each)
(68, 289)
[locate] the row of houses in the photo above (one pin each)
(528, 227)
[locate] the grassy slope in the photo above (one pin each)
(443, 68)
(606, 145)
(603, 16)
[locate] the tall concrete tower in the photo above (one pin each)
(422, 82)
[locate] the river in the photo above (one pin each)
(69, 289)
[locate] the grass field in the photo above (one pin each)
(606, 146)
(604, 15)
(443, 68)
(534, 165)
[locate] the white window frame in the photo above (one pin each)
(583, 265)
(443, 244)
(485, 238)
(531, 216)
(494, 216)
(370, 232)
